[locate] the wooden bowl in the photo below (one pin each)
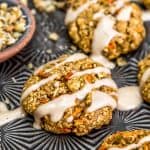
(25, 38)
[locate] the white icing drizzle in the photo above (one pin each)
(37, 86)
(58, 106)
(100, 100)
(115, 6)
(75, 57)
(129, 97)
(103, 34)
(104, 31)
(119, 4)
(145, 76)
(134, 146)
(73, 14)
(42, 66)
(98, 15)
(71, 58)
(103, 60)
(11, 115)
(146, 16)
(70, 119)
(91, 71)
(125, 14)
(3, 107)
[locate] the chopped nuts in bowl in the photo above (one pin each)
(17, 26)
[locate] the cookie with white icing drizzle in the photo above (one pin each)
(72, 94)
(111, 28)
(144, 78)
(127, 140)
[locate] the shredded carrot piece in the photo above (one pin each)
(67, 77)
(110, 1)
(112, 45)
(76, 111)
(89, 78)
(43, 100)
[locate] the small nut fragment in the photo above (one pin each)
(49, 51)
(53, 36)
(121, 61)
(33, 11)
(25, 2)
(74, 48)
(30, 66)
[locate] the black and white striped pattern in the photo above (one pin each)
(12, 78)
(20, 134)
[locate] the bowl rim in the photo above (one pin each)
(25, 38)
